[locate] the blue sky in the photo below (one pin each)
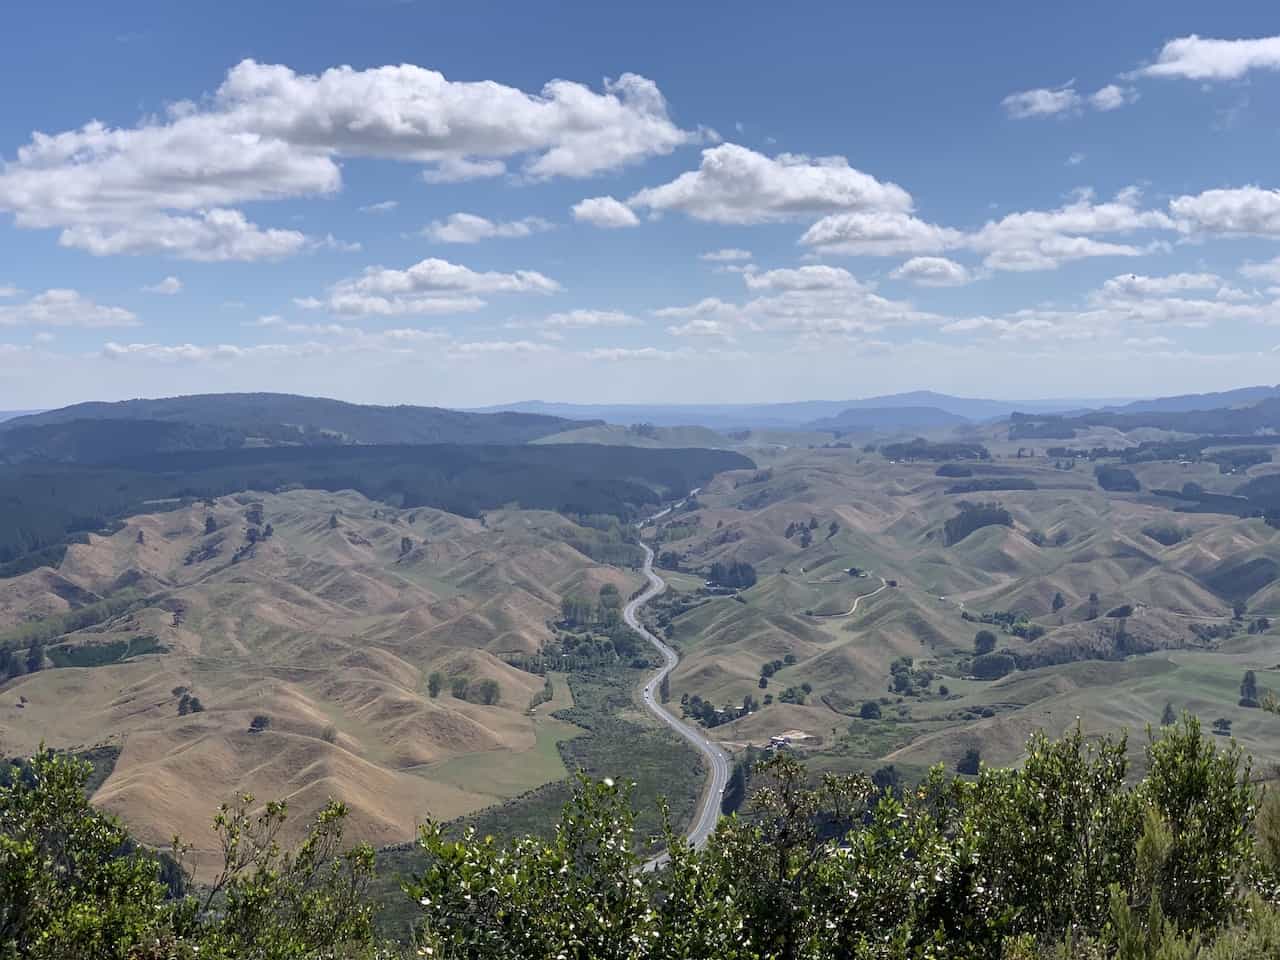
(468, 204)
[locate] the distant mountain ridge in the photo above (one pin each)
(791, 415)
(889, 418)
(96, 432)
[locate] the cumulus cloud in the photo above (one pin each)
(1267, 270)
(1241, 211)
(1112, 97)
(615, 354)
(933, 272)
(703, 327)
(1047, 102)
(170, 184)
(64, 308)
(726, 255)
(430, 286)
(1202, 58)
(195, 353)
(1041, 102)
(168, 286)
(210, 236)
(812, 301)
(604, 212)
(8, 290)
(1044, 239)
(470, 228)
(879, 233)
(1134, 285)
(585, 319)
(734, 184)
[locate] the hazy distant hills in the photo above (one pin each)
(93, 432)
(1245, 396)
(802, 414)
(889, 418)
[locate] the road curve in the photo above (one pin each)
(709, 810)
(856, 600)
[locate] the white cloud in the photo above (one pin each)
(1041, 102)
(604, 212)
(8, 290)
(1267, 270)
(813, 301)
(1201, 58)
(210, 235)
(1245, 210)
(1075, 159)
(481, 347)
(44, 336)
(933, 272)
(816, 277)
(703, 327)
(1112, 97)
(726, 255)
(1044, 239)
(430, 286)
(193, 353)
(736, 185)
(616, 354)
(1147, 342)
(879, 233)
(168, 286)
(584, 319)
(385, 206)
(65, 308)
(470, 228)
(1047, 102)
(169, 184)
(1134, 285)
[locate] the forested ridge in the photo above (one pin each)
(43, 505)
(1064, 857)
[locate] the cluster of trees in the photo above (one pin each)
(922, 449)
(1011, 622)
(1063, 858)
(1116, 479)
(973, 517)
(708, 714)
(905, 680)
(735, 575)
(485, 691)
(769, 668)
(579, 612)
(953, 470)
(986, 484)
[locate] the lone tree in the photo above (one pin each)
(870, 711)
(1168, 718)
(459, 687)
(1058, 601)
(970, 763)
(435, 683)
(984, 641)
(333, 521)
(210, 525)
(1249, 690)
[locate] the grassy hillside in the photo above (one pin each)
(42, 506)
(330, 629)
(1104, 620)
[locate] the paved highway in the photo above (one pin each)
(709, 810)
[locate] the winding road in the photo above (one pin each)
(709, 808)
(884, 584)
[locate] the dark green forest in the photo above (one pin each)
(43, 505)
